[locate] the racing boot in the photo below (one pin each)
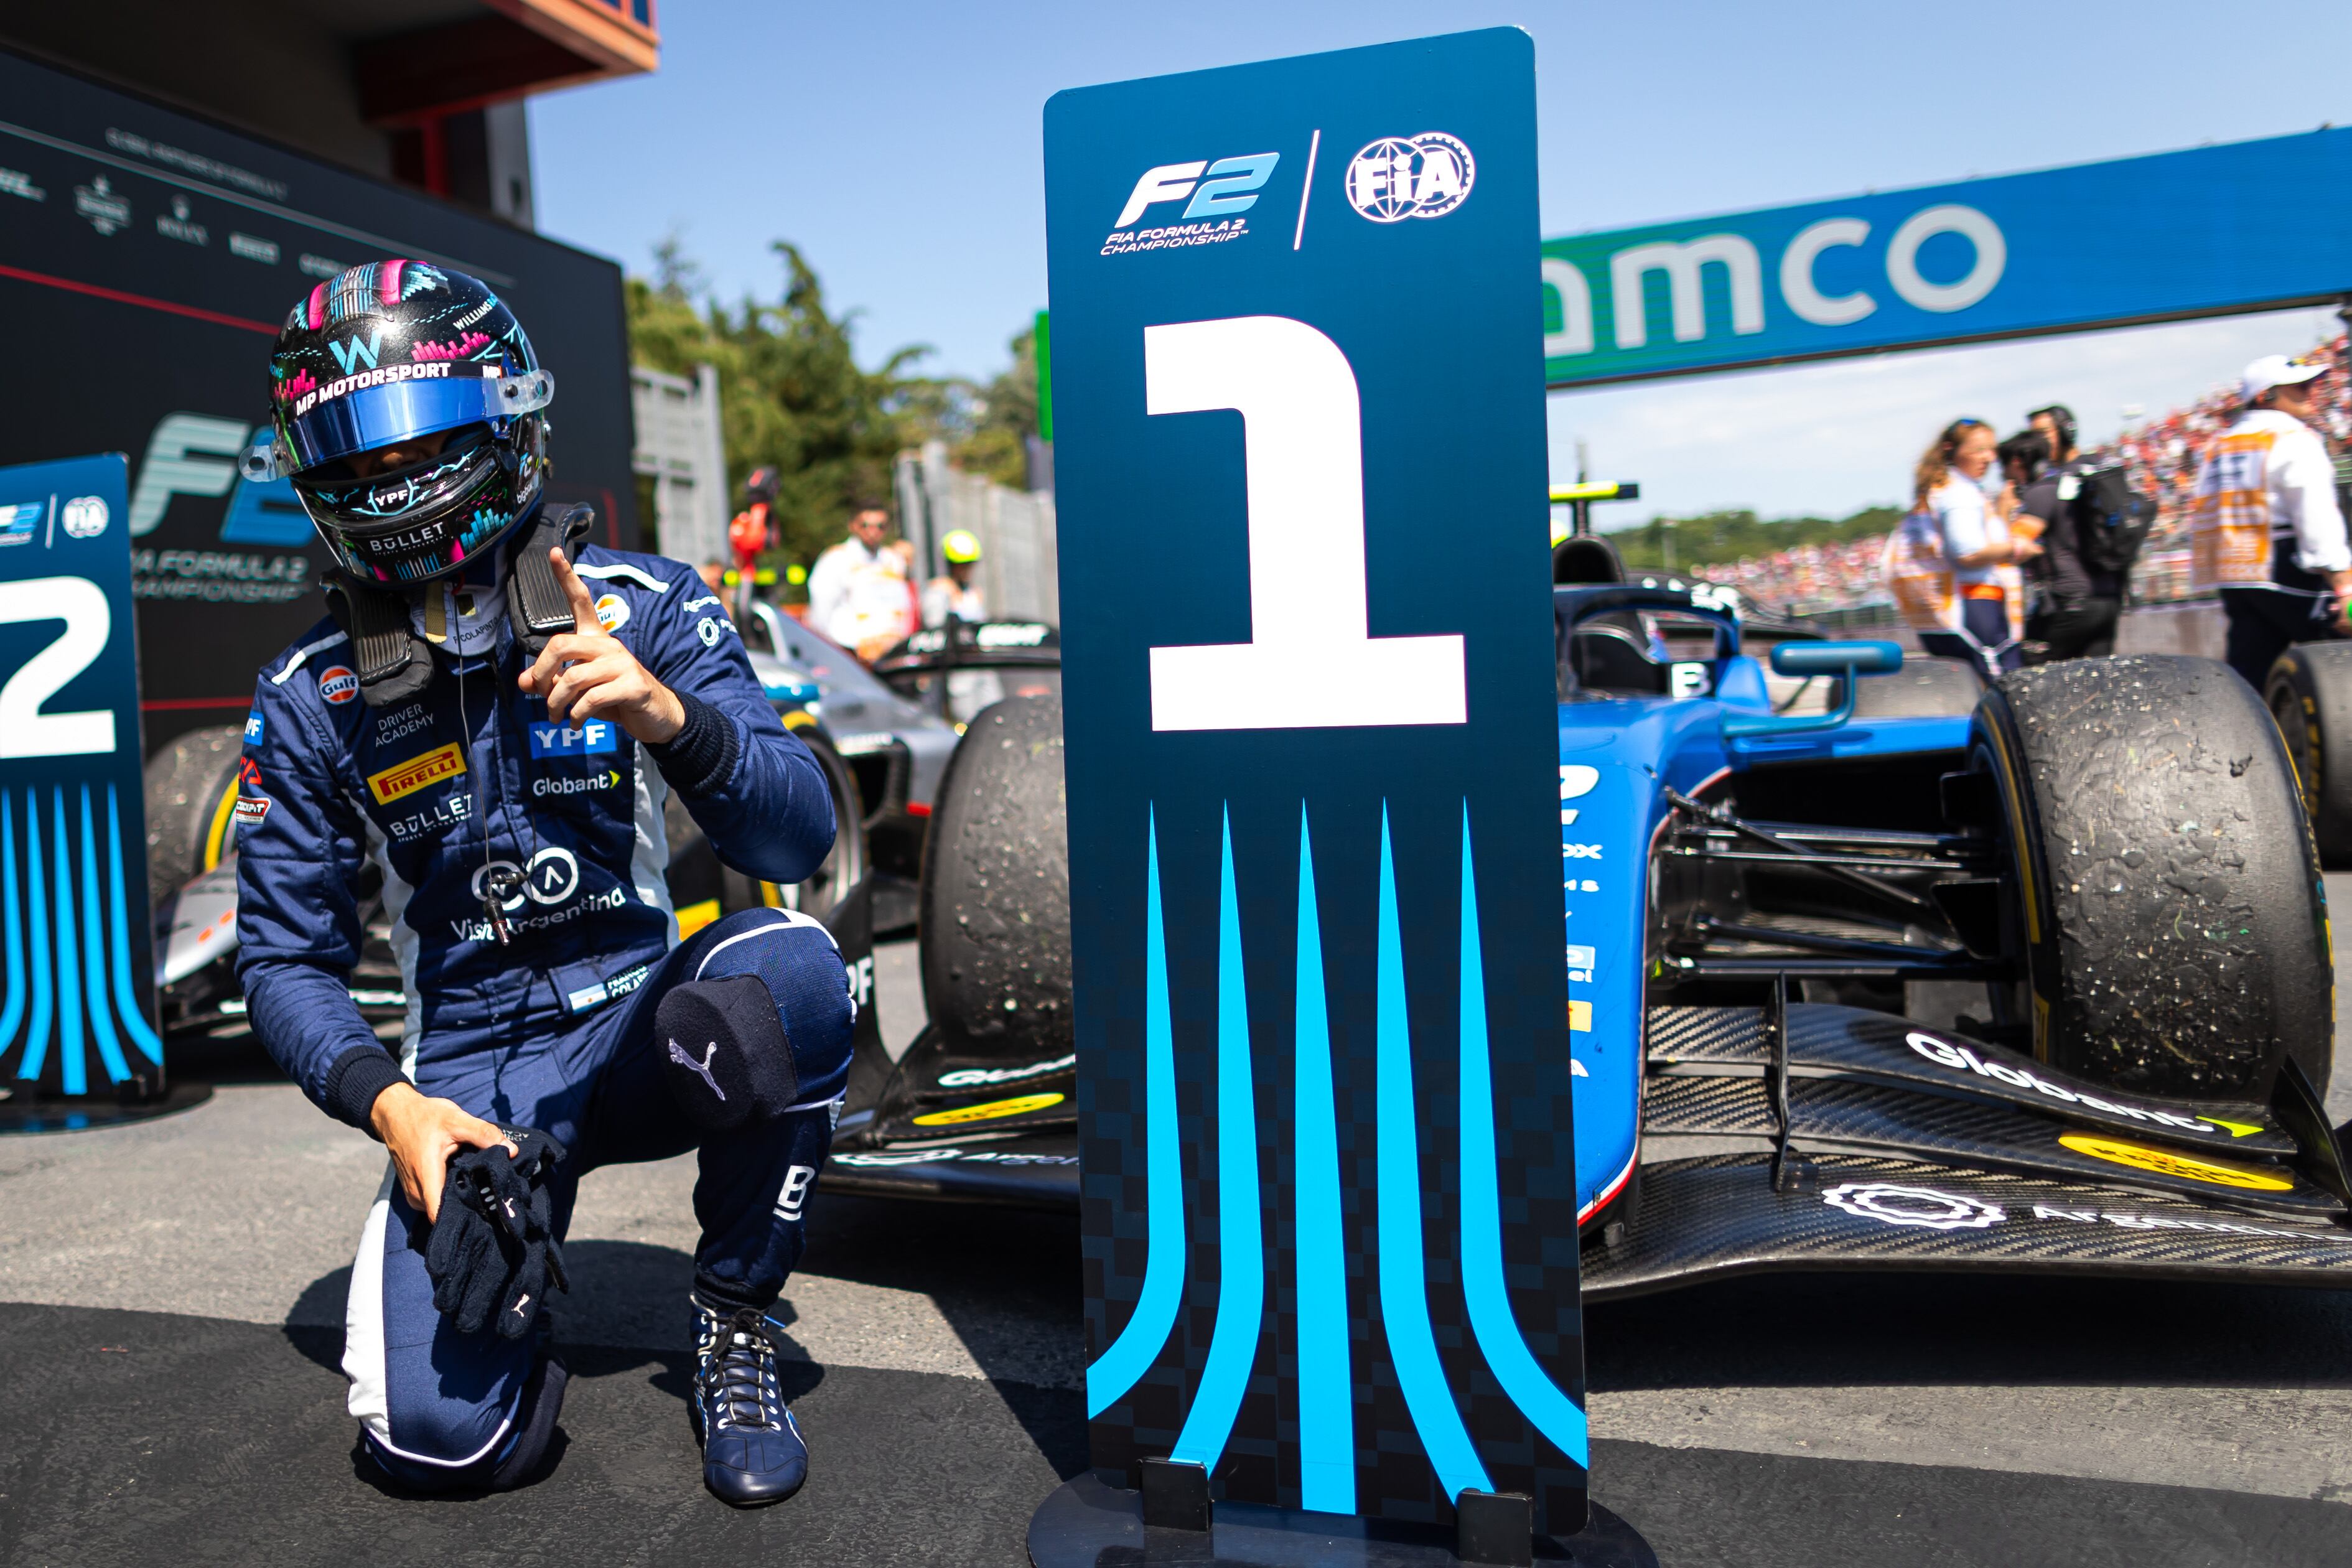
(751, 1450)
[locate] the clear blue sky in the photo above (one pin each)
(900, 146)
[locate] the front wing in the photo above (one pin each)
(1716, 1216)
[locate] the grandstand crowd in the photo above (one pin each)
(2162, 454)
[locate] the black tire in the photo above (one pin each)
(189, 786)
(2162, 875)
(697, 875)
(1925, 687)
(996, 902)
(2310, 694)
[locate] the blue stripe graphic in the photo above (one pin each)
(1327, 1415)
(1405, 1299)
(1130, 1355)
(1241, 1252)
(93, 951)
(1515, 1366)
(12, 1006)
(126, 1003)
(36, 1033)
(70, 1062)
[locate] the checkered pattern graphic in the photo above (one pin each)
(1398, 1403)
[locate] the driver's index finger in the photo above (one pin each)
(583, 606)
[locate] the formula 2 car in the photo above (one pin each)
(1869, 966)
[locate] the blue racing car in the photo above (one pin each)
(1870, 964)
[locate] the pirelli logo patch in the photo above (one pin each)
(408, 777)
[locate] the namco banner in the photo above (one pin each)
(2172, 235)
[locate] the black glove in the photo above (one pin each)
(494, 1250)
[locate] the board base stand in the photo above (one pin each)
(1089, 1523)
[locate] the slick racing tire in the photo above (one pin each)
(2310, 694)
(190, 785)
(2162, 879)
(996, 902)
(701, 889)
(1925, 687)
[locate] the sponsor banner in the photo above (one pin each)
(137, 235)
(406, 778)
(1323, 1025)
(993, 1110)
(2097, 245)
(595, 736)
(77, 1002)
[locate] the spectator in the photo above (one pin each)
(2074, 609)
(2267, 483)
(950, 595)
(1952, 565)
(858, 591)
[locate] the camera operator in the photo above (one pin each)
(2075, 606)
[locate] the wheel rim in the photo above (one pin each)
(843, 865)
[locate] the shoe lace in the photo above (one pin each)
(740, 1375)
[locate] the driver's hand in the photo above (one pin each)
(588, 673)
(420, 1135)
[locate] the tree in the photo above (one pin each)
(791, 395)
(1004, 415)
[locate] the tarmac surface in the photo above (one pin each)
(171, 1303)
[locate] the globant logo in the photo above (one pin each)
(544, 787)
(1944, 1054)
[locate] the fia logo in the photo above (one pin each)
(1398, 177)
(1229, 187)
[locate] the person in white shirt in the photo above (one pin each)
(2267, 531)
(1952, 565)
(858, 593)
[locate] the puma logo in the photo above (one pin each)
(678, 1054)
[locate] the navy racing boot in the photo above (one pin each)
(751, 1450)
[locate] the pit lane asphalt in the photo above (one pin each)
(170, 1299)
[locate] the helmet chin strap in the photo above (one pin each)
(396, 657)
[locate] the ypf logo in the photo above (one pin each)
(1398, 177)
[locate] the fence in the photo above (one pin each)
(1018, 576)
(681, 450)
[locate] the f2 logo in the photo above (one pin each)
(1310, 662)
(1222, 194)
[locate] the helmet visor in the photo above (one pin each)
(398, 403)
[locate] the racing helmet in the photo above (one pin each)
(960, 546)
(392, 354)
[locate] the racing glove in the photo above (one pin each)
(494, 1251)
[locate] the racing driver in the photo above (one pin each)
(491, 719)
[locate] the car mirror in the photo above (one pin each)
(1837, 658)
(1849, 659)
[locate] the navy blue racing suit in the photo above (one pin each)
(554, 1029)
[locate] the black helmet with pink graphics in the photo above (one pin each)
(406, 408)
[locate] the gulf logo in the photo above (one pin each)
(612, 612)
(338, 685)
